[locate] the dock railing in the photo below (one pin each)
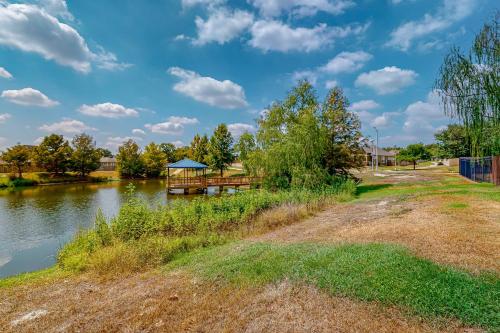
(203, 182)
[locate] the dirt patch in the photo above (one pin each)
(178, 303)
(467, 238)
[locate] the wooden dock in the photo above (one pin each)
(201, 183)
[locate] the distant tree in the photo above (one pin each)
(155, 160)
(220, 151)
(53, 154)
(469, 85)
(244, 147)
(198, 150)
(103, 152)
(343, 136)
(181, 153)
(453, 142)
(85, 156)
(414, 153)
(129, 160)
(169, 150)
(433, 150)
(17, 157)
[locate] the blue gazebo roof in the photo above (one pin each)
(187, 164)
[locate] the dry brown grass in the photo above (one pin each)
(468, 237)
(179, 303)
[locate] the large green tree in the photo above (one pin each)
(85, 156)
(453, 142)
(305, 144)
(53, 154)
(414, 153)
(129, 160)
(198, 150)
(220, 150)
(17, 157)
(155, 160)
(469, 85)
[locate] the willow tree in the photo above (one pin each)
(469, 86)
(302, 143)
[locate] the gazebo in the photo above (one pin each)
(186, 182)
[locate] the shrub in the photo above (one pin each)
(141, 235)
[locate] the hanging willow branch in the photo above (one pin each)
(469, 88)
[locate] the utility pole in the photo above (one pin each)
(372, 151)
(376, 151)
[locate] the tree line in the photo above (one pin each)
(81, 155)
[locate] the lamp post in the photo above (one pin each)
(376, 151)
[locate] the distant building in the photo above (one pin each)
(384, 157)
(107, 164)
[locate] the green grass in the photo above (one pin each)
(458, 205)
(44, 275)
(387, 274)
(447, 186)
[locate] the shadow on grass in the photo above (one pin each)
(363, 189)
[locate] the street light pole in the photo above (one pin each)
(376, 151)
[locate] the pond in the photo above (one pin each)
(35, 222)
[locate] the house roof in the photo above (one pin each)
(107, 159)
(187, 164)
(380, 151)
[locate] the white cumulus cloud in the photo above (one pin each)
(209, 3)
(113, 142)
(424, 117)
(364, 105)
(57, 8)
(449, 13)
(237, 129)
(138, 131)
(5, 74)
(222, 26)
(387, 80)
(32, 28)
(173, 126)
(347, 62)
(4, 117)
(271, 35)
(301, 8)
(28, 97)
(70, 126)
(330, 84)
(107, 110)
(224, 94)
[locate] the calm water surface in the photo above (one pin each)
(36, 222)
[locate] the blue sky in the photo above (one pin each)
(164, 70)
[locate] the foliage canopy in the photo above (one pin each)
(305, 144)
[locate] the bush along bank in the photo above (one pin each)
(142, 236)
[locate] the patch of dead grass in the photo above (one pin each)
(468, 238)
(179, 303)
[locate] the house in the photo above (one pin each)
(384, 157)
(107, 164)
